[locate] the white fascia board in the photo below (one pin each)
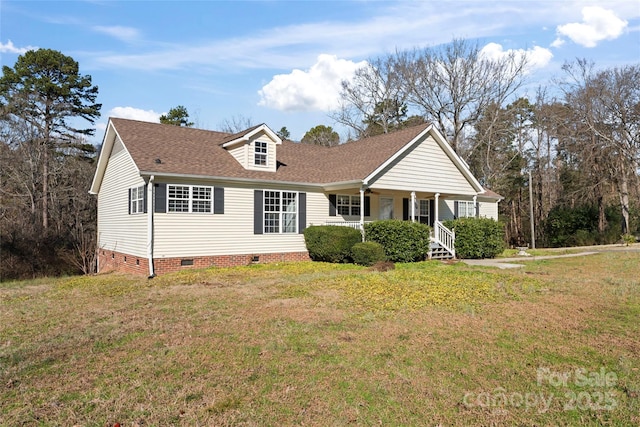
(258, 183)
(262, 128)
(105, 153)
(103, 158)
(343, 185)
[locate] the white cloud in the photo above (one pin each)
(9, 47)
(316, 89)
(537, 57)
(135, 114)
(118, 32)
(597, 24)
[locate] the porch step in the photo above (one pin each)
(438, 252)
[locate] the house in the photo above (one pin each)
(172, 197)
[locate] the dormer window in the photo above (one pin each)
(260, 154)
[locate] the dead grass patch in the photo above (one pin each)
(318, 344)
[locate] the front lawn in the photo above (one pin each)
(557, 342)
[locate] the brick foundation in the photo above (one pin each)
(125, 263)
(117, 261)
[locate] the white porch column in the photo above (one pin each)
(413, 206)
(435, 208)
(362, 212)
(475, 206)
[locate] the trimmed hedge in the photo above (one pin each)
(477, 237)
(331, 243)
(403, 241)
(367, 253)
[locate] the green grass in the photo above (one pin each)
(320, 344)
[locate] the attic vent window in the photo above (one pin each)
(260, 156)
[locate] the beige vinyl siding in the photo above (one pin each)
(240, 154)
(244, 154)
(445, 209)
(425, 168)
(185, 234)
(117, 230)
(488, 209)
(117, 146)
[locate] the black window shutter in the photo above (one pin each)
(405, 209)
(130, 201)
(257, 211)
(432, 212)
(144, 199)
(218, 200)
(302, 212)
(455, 209)
(367, 206)
(477, 209)
(332, 204)
(160, 198)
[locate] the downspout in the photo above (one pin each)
(362, 212)
(152, 274)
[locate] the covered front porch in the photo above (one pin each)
(354, 208)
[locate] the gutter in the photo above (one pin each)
(152, 274)
(251, 182)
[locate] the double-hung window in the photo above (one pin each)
(465, 209)
(422, 211)
(260, 153)
(280, 212)
(348, 205)
(136, 200)
(189, 198)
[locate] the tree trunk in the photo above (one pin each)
(624, 203)
(602, 219)
(45, 188)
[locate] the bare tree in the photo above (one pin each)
(607, 104)
(236, 124)
(374, 100)
(454, 84)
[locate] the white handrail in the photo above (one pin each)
(445, 237)
(352, 224)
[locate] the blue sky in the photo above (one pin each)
(281, 62)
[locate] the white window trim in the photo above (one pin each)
(265, 154)
(133, 203)
(190, 199)
(469, 209)
(351, 204)
(280, 213)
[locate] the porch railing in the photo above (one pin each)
(445, 237)
(352, 224)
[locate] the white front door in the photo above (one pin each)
(386, 208)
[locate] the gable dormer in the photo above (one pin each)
(254, 148)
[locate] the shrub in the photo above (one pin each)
(403, 241)
(477, 237)
(628, 239)
(367, 253)
(331, 243)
